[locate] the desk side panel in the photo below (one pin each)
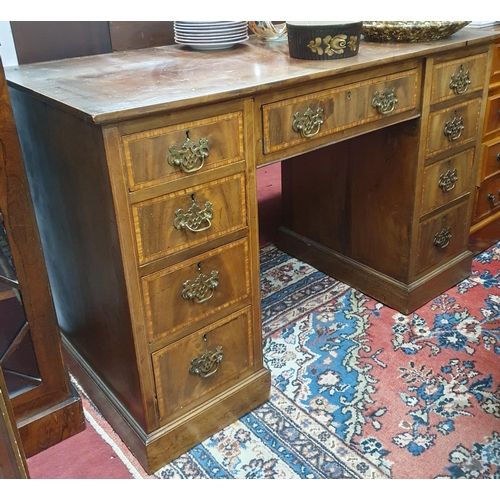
(67, 172)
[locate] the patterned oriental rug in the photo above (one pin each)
(360, 390)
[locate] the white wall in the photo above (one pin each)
(7, 48)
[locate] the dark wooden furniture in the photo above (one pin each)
(142, 166)
(132, 35)
(485, 229)
(46, 407)
(403, 190)
(38, 41)
(12, 458)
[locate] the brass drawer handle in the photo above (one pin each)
(208, 363)
(491, 199)
(190, 157)
(460, 82)
(453, 129)
(308, 124)
(384, 102)
(201, 288)
(442, 238)
(447, 181)
(195, 219)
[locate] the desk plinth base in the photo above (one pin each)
(156, 449)
(405, 298)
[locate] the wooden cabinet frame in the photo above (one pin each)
(49, 410)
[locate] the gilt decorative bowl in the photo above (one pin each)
(410, 31)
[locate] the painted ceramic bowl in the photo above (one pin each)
(323, 40)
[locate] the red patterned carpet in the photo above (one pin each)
(358, 389)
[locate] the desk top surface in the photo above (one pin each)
(122, 85)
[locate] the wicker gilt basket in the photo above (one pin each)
(410, 31)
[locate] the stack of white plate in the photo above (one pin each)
(210, 35)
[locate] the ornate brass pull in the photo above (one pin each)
(453, 129)
(195, 219)
(208, 363)
(309, 124)
(202, 288)
(491, 199)
(384, 102)
(447, 180)
(442, 238)
(460, 82)
(190, 157)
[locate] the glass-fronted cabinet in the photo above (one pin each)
(46, 407)
(17, 353)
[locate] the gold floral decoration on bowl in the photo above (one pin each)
(333, 44)
(410, 31)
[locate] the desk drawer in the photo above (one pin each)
(458, 77)
(172, 222)
(488, 199)
(491, 158)
(492, 114)
(179, 296)
(442, 237)
(447, 180)
(147, 152)
(293, 121)
(453, 126)
(203, 364)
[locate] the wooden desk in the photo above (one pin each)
(154, 259)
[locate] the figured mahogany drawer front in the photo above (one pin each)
(488, 199)
(447, 180)
(491, 157)
(167, 153)
(172, 222)
(492, 114)
(293, 121)
(203, 364)
(442, 237)
(184, 294)
(458, 77)
(453, 126)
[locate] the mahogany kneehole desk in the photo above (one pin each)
(142, 167)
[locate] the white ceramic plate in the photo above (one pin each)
(214, 30)
(202, 24)
(213, 38)
(214, 46)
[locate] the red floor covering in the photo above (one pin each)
(269, 196)
(83, 456)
